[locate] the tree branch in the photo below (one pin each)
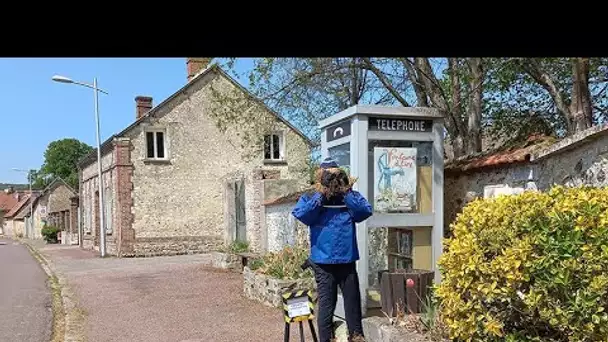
(475, 105)
(385, 81)
(455, 82)
(421, 95)
(541, 77)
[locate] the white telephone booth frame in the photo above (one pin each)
(352, 127)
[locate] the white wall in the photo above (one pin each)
(283, 229)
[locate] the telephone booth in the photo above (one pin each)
(397, 155)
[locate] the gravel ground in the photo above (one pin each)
(25, 300)
(176, 299)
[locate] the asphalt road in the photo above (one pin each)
(164, 299)
(25, 300)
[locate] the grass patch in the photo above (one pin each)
(235, 247)
(58, 323)
(58, 311)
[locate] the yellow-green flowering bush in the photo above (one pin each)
(529, 267)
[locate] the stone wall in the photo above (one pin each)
(89, 200)
(59, 198)
(268, 290)
(87, 243)
(459, 188)
(226, 261)
(580, 159)
(254, 192)
(39, 216)
(153, 246)
(17, 227)
(575, 161)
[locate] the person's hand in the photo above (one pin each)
(345, 183)
(320, 188)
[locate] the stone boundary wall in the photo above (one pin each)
(379, 329)
(226, 261)
(162, 246)
(268, 290)
(175, 245)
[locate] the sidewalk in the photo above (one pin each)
(173, 299)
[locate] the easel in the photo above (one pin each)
(295, 310)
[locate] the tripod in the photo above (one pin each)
(301, 326)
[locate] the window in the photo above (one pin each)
(273, 146)
(341, 154)
(88, 214)
(155, 145)
(109, 199)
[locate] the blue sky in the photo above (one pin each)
(36, 110)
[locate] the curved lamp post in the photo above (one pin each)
(102, 233)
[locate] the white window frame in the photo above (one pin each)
(281, 136)
(155, 131)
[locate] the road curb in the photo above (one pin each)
(69, 325)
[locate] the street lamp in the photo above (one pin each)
(29, 177)
(102, 233)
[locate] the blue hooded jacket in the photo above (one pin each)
(333, 238)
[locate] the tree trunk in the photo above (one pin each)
(453, 123)
(415, 80)
(456, 106)
(458, 145)
(475, 106)
(354, 90)
(581, 112)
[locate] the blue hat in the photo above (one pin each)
(329, 163)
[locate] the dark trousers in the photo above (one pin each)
(329, 277)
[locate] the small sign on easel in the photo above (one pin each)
(298, 306)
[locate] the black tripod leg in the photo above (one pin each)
(286, 332)
(312, 331)
(301, 331)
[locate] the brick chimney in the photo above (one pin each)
(195, 65)
(142, 105)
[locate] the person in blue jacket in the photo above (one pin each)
(331, 211)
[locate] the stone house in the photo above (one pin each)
(8, 199)
(15, 219)
(537, 164)
(55, 207)
(186, 176)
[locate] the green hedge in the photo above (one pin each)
(529, 267)
(49, 233)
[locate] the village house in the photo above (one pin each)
(16, 220)
(55, 207)
(8, 199)
(186, 176)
